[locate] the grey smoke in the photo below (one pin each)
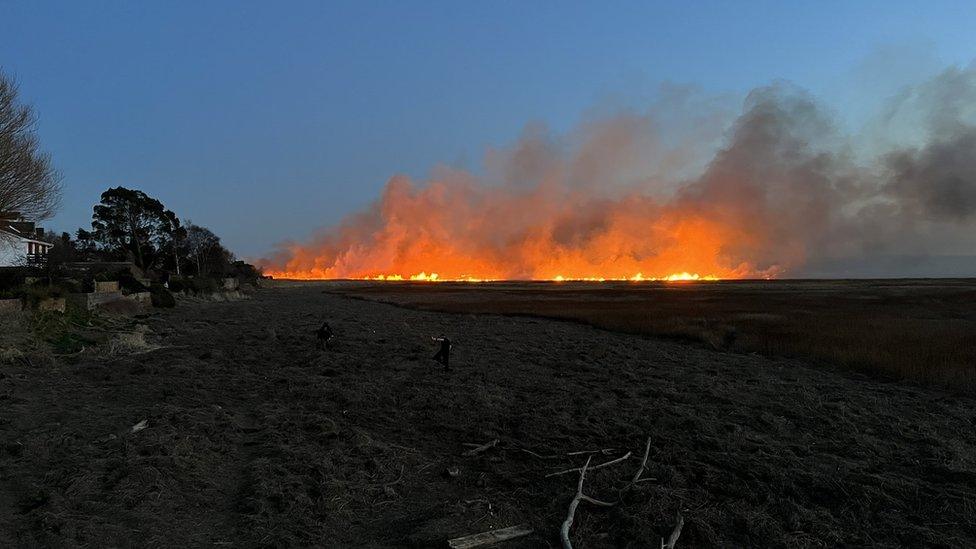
(802, 197)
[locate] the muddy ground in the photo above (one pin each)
(255, 438)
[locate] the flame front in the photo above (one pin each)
(451, 231)
(434, 277)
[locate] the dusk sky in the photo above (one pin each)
(266, 121)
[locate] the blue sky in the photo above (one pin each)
(267, 120)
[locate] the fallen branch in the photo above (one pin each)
(571, 514)
(580, 496)
(600, 466)
(673, 538)
(490, 537)
(482, 448)
(640, 471)
(540, 456)
(605, 451)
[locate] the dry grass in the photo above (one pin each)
(256, 441)
(921, 331)
(134, 342)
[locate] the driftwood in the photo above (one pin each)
(490, 537)
(478, 449)
(571, 514)
(595, 467)
(605, 451)
(673, 538)
(580, 496)
(640, 471)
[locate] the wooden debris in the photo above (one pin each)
(490, 537)
(540, 456)
(605, 451)
(139, 426)
(673, 538)
(571, 514)
(580, 496)
(600, 466)
(482, 448)
(640, 471)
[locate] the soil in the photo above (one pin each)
(255, 437)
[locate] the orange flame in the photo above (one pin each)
(451, 231)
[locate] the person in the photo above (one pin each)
(444, 354)
(324, 334)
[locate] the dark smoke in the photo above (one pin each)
(787, 194)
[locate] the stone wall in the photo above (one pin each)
(89, 301)
(52, 304)
(106, 286)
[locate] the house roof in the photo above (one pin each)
(13, 225)
(23, 238)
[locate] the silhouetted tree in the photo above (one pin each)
(86, 246)
(175, 237)
(132, 224)
(62, 252)
(28, 182)
(205, 250)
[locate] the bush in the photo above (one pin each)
(161, 297)
(202, 285)
(129, 284)
(11, 278)
(37, 292)
(88, 284)
(176, 285)
(243, 271)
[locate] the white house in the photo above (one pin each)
(19, 242)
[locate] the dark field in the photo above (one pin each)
(917, 330)
(254, 438)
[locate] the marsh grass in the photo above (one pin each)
(921, 331)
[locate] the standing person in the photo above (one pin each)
(444, 354)
(324, 335)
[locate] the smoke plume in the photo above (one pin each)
(780, 191)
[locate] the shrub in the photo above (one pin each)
(243, 271)
(11, 278)
(129, 284)
(202, 285)
(176, 285)
(161, 297)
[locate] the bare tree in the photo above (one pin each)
(205, 249)
(29, 184)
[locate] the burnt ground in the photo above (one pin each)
(255, 438)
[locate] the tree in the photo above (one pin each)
(63, 251)
(86, 244)
(132, 224)
(176, 235)
(206, 251)
(29, 184)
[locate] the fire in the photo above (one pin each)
(423, 276)
(619, 199)
(571, 216)
(450, 232)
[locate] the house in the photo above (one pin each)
(20, 242)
